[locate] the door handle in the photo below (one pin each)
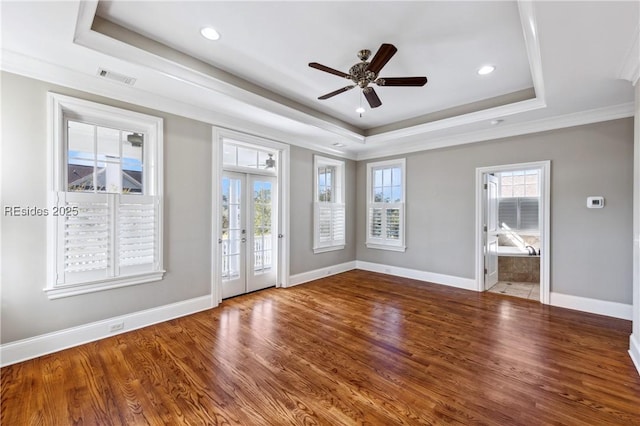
(244, 240)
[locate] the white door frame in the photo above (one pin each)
(282, 161)
(545, 221)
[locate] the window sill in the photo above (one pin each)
(326, 249)
(386, 247)
(108, 284)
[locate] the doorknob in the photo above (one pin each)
(244, 240)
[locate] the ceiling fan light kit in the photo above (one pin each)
(365, 73)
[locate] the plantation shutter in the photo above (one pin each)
(330, 224)
(137, 233)
(385, 223)
(102, 236)
(529, 216)
(508, 212)
(519, 213)
(84, 237)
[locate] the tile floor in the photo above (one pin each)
(529, 291)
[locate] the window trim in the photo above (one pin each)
(337, 202)
(384, 243)
(61, 109)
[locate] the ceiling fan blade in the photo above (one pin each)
(381, 58)
(372, 97)
(401, 81)
(336, 92)
(329, 70)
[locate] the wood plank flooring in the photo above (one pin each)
(356, 348)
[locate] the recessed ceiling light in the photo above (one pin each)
(209, 33)
(359, 110)
(339, 144)
(496, 121)
(486, 69)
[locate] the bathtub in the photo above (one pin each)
(513, 252)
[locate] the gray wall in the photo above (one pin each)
(302, 257)
(26, 311)
(591, 250)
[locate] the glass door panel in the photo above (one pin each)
(233, 235)
(263, 253)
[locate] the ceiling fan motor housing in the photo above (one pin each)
(360, 75)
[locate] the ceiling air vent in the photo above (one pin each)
(120, 78)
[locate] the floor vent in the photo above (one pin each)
(120, 78)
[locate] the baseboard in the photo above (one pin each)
(594, 306)
(432, 277)
(321, 273)
(634, 350)
(22, 350)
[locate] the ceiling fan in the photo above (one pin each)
(364, 73)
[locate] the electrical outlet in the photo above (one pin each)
(116, 326)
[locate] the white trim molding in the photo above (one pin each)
(316, 274)
(593, 306)
(22, 350)
(430, 277)
(634, 350)
(630, 69)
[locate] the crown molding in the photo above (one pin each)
(124, 44)
(530, 31)
(27, 66)
(630, 69)
(597, 115)
(460, 120)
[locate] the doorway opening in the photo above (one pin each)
(248, 221)
(512, 230)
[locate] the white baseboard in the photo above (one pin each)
(432, 277)
(594, 306)
(634, 350)
(22, 350)
(321, 273)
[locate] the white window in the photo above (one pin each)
(386, 205)
(522, 183)
(328, 206)
(105, 215)
(519, 200)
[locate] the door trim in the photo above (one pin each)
(217, 138)
(545, 226)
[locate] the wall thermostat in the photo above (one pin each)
(595, 202)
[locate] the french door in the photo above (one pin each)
(249, 234)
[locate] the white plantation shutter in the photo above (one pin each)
(84, 240)
(386, 222)
(338, 224)
(111, 235)
(330, 225)
(137, 233)
(375, 222)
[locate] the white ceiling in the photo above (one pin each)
(255, 78)
(271, 44)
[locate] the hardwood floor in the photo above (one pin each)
(356, 348)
